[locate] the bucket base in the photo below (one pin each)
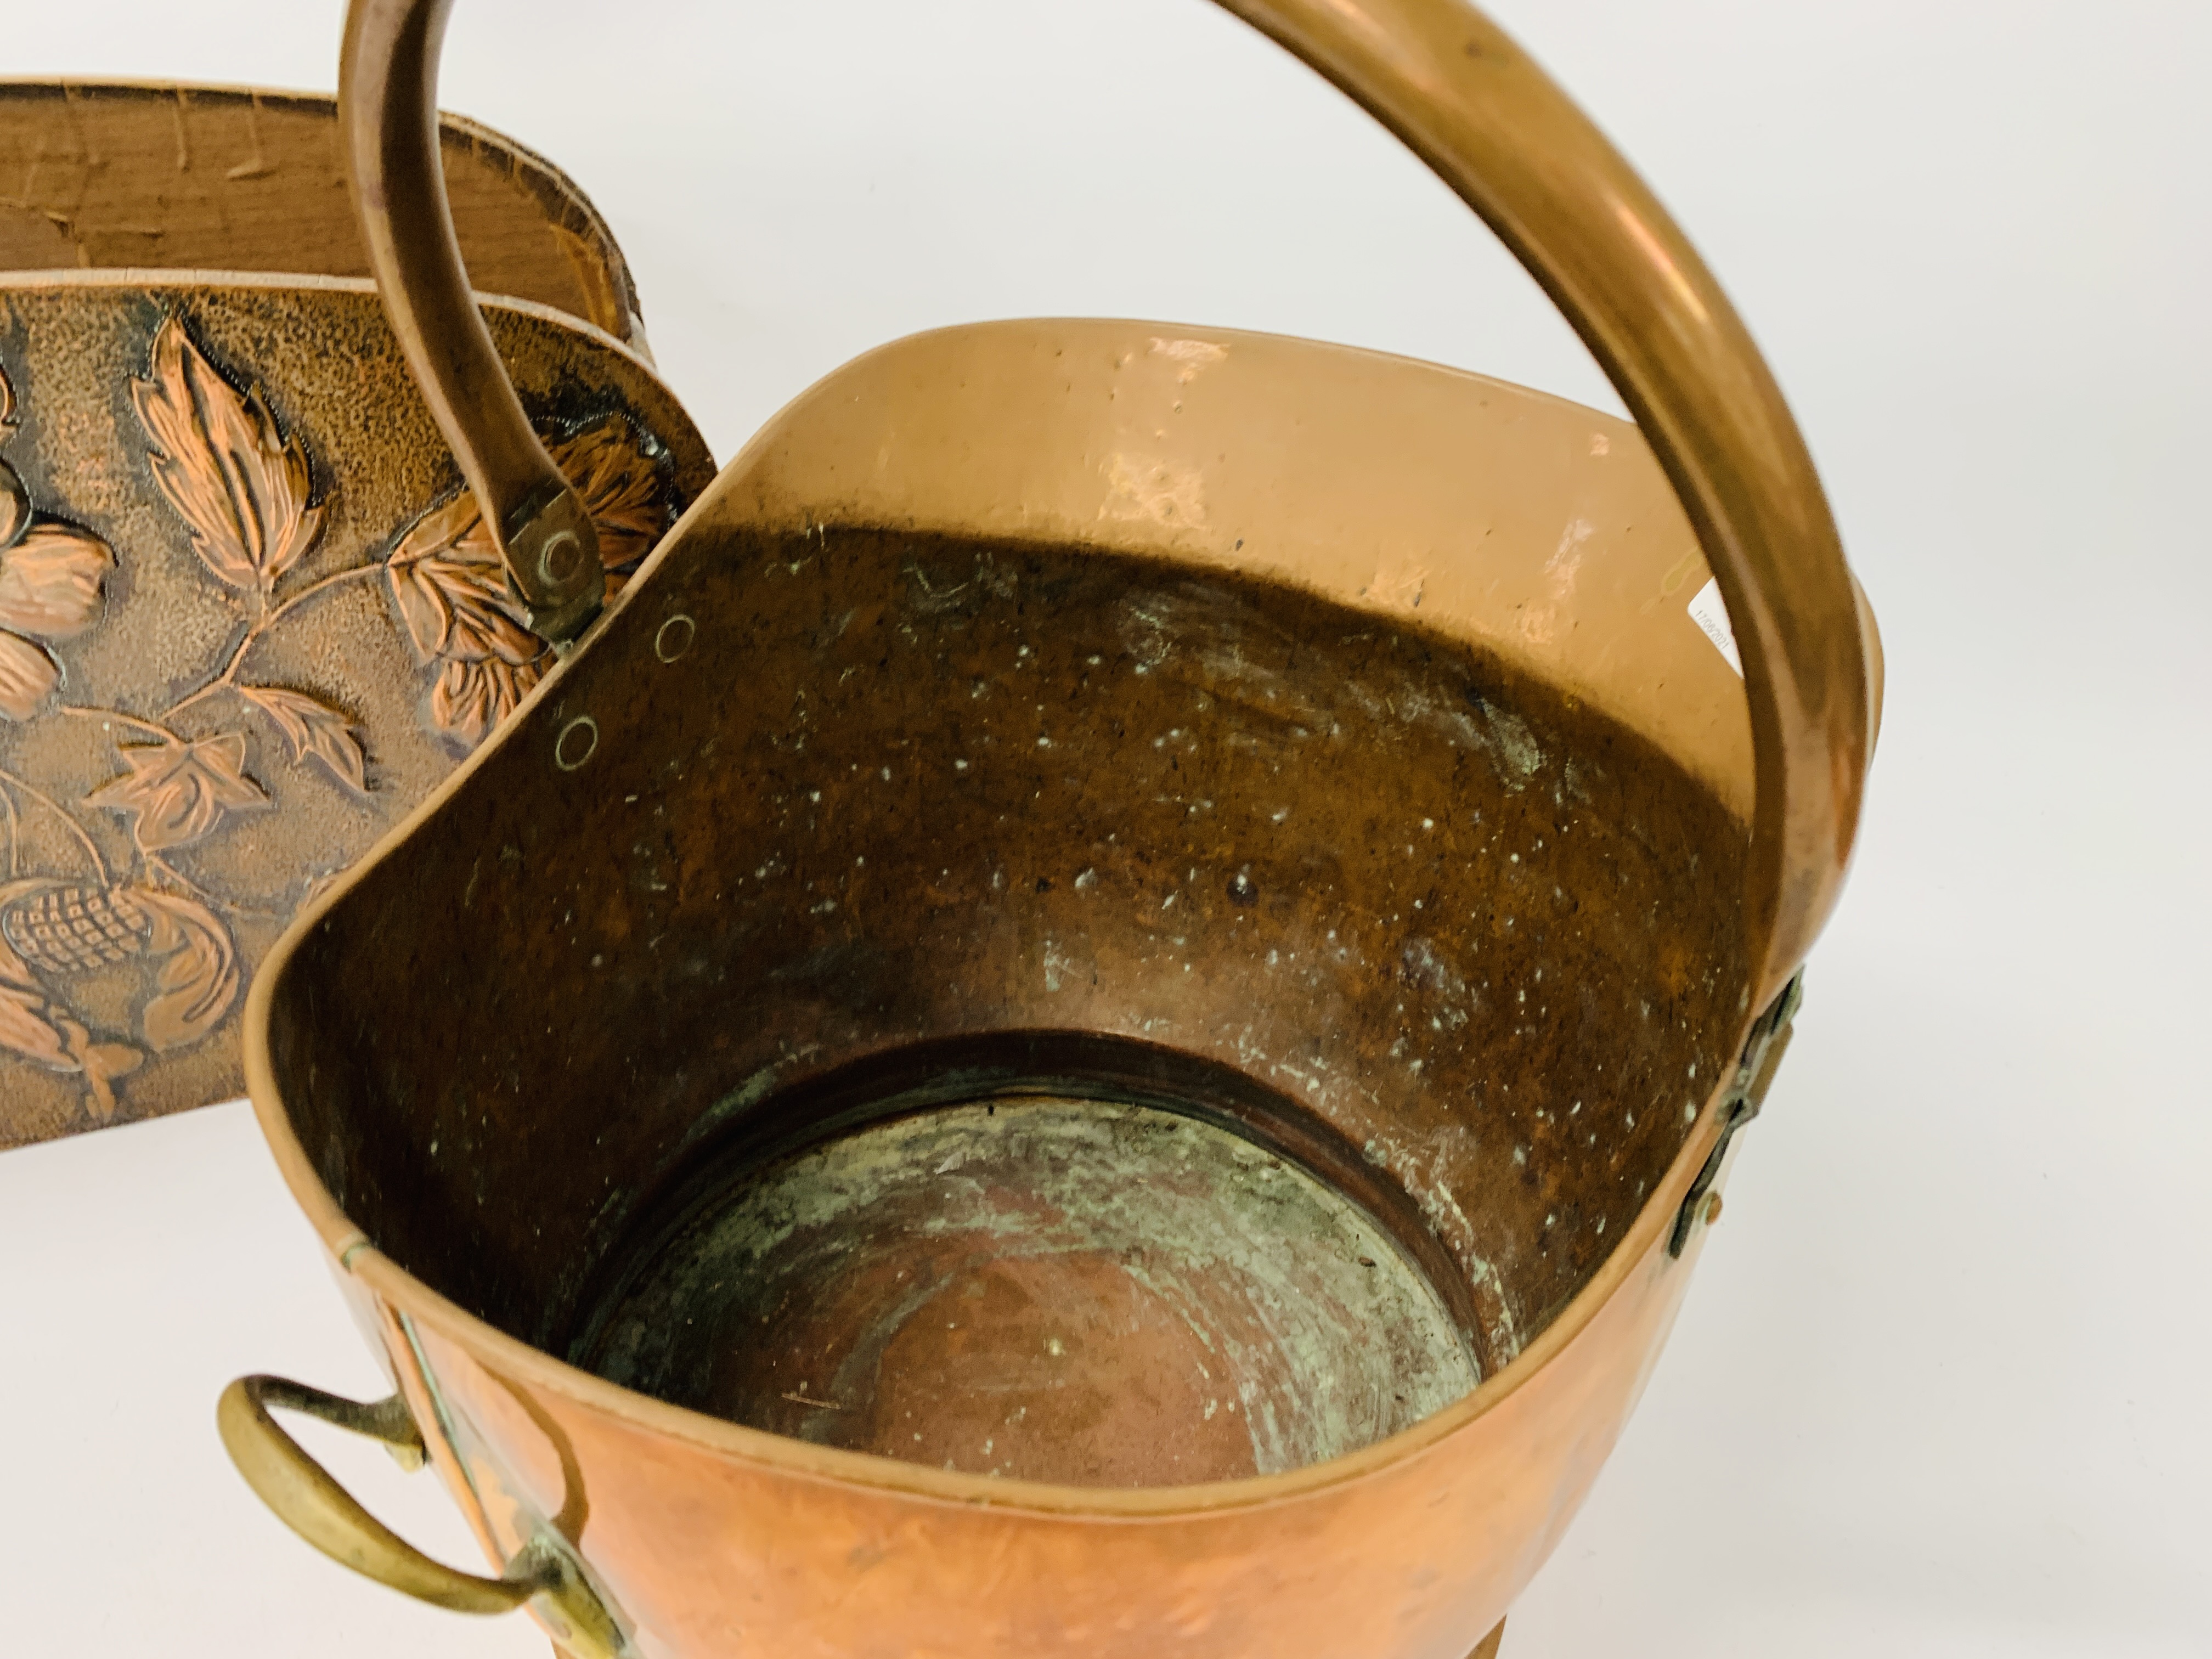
(1487, 1649)
(1078, 1290)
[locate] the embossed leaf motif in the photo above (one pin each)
(15, 502)
(177, 792)
(240, 489)
(199, 976)
(26, 1029)
(621, 482)
(27, 675)
(51, 578)
(451, 589)
(26, 1012)
(471, 698)
(50, 581)
(314, 731)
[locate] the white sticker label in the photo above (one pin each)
(1711, 616)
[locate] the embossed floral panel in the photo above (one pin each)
(248, 620)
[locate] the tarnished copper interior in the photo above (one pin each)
(1066, 1287)
(852, 835)
(1209, 758)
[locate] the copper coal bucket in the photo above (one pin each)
(224, 675)
(1102, 1013)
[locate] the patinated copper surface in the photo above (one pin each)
(1465, 935)
(1495, 128)
(1016, 724)
(245, 624)
(1000, 916)
(1051, 1288)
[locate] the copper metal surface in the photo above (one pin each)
(246, 621)
(245, 624)
(543, 532)
(1312, 746)
(139, 175)
(205, 706)
(1072, 1290)
(1493, 127)
(1210, 663)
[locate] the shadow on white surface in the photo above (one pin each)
(141, 1269)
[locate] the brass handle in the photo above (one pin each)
(1495, 128)
(306, 1498)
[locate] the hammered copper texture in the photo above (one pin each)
(1017, 907)
(988, 804)
(98, 175)
(1465, 941)
(243, 631)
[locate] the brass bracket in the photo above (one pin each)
(1747, 1092)
(551, 549)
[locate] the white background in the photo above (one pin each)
(1942, 1386)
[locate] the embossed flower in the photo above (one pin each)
(50, 580)
(452, 587)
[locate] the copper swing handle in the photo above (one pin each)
(1494, 127)
(389, 114)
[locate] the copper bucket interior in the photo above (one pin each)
(1116, 924)
(1028, 1006)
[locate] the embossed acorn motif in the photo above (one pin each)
(53, 930)
(74, 929)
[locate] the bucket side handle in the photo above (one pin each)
(307, 1498)
(1494, 127)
